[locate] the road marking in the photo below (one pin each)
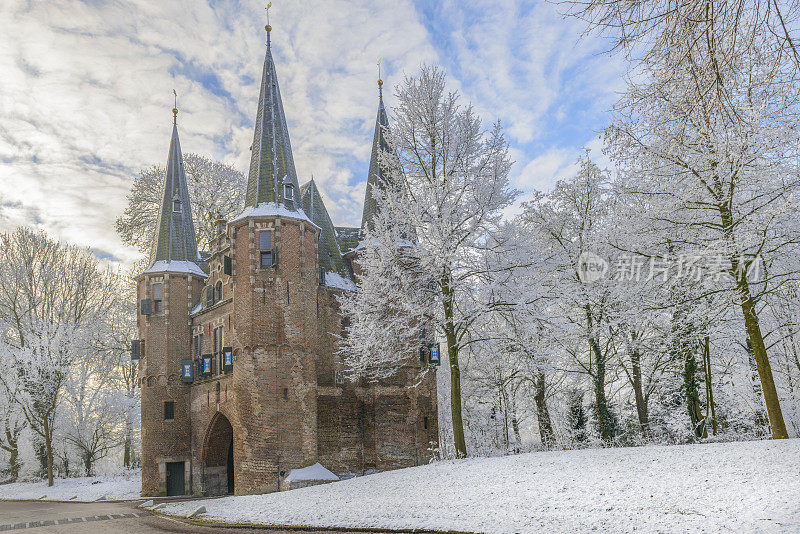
(50, 522)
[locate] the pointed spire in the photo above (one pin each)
(175, 241)
(377, 174)
(271, 163)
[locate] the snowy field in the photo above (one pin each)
(738, 487)
(118, 487)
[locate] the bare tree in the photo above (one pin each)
(216, 190)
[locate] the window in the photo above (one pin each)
(285, 393)
(265, 240)
(158, 296)
(176, 206)
(219, 291)
(198, 346)
(425, 422)
(209, 296)
(169, 410)
(288, 192)
(218, 348)
(265, 246)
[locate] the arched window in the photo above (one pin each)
(219, 291)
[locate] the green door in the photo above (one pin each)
(176, 479)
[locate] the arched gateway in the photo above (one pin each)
(218, 457)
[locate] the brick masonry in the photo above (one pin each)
(284, 405)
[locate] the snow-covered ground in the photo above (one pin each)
(740, 487)
(124, 486)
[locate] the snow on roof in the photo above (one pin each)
(335, 280)
(312, 472)
(175, 266)
(197, 308)
(271, 209)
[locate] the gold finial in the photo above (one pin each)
(175, 109)
(268, 27)
(380, 81)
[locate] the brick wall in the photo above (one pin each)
(285, 401)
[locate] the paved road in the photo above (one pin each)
(33, 517)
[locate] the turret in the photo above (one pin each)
(166, 291)
(274, 253)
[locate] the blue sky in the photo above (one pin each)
(87, 91)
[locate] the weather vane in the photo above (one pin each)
(175, 109)
(267, 8)
(380, 80)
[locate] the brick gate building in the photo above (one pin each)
(241, 380)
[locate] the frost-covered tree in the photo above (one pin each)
(12, 423)
(52, 299)
(452, 183)
(716, 146)
(93, 407)
(216, 189)
(570, 223)
(662, 30)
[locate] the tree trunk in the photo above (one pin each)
(641, 403)
(515, 428)
(546, 433)
(754, 332)
(126, 457)
(692, 392)
(48, 445)
(455, 397)
(455, 371)
(88, 461)
(11, 446)
(710, 409)
(768, 388)
(601, 402)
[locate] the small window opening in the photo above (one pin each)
(169, 410)
(425, 422)
(218, 348)
(198, 346)
(158, 296)
(176, 206)
(219, 291)
(285, 393)
(265, 240)
(265, 246)
(288, 192)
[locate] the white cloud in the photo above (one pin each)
(87, 91)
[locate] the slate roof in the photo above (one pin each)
(348, 238)
(176, 246)
(271, 161)
(330, 255)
